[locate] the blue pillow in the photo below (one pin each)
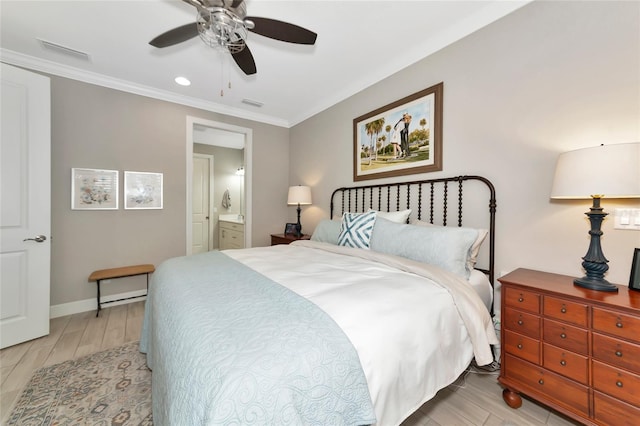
(327, 231)
(445, 247)
(356, 229)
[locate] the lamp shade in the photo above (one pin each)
(299, 195)
(611, 171)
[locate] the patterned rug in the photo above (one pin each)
(107, 388)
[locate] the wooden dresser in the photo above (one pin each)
(573, 349)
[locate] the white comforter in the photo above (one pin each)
(415, 327)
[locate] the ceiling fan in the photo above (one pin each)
(225, 24)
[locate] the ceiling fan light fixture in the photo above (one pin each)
(224, 26)
(249, 24)
(219, 28)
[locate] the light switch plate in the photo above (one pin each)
(628, 219)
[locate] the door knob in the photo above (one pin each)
(37, 239)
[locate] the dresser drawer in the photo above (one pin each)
(553, 387)
(618, 383)
(231, 239)
(522, 322)
(564, 310)
(616, 352)
(611, 411)
(566, 336)
(232, 226)
(565, 362)
(522, 299)
(522, 346)
(617, 324)
(589, 348)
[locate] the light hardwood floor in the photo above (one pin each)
(475, 399)
(69, 337)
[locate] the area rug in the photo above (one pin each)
(112, 387)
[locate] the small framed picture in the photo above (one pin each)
(142, 190)
(94, 189)
(290, 228)
(634, 279)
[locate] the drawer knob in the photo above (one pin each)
(563, 336)
(619, 354)
(520, 322)
(520, 299)
(619, 324)
(541, 381)
(563, 309)
(519, 345)
(619, 384)
(563, 363)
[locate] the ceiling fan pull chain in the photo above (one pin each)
(226, 65)
(222, 75)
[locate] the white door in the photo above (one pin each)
(201, 223)
(25, 205)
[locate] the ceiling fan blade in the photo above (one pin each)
(282, 31)
(236, 3)
(244, 60)
(176, 35)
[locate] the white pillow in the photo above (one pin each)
(475, 248)
(327, 231)
(356, 229)
(447, 248)
(397, 217)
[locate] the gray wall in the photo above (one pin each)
(549, 78)
(97, 127)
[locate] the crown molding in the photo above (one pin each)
(25, 61)
(421, 49)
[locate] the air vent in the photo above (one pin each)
(64, 50)
(252, 102)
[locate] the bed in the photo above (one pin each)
(361, 325)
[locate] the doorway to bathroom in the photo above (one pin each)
(218, 183)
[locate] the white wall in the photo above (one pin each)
(551, 77)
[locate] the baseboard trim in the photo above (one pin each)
(79, 306)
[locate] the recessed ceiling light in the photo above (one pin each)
(183, 81)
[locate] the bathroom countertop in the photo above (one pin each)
(231, 218)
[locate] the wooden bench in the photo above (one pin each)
(124, 271)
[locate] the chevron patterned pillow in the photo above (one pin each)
(356, 229)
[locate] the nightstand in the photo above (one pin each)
(286, 238)
(571, 348)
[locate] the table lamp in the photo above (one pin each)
(300, 195)
(611, 171)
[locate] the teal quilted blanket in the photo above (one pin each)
(229, 346)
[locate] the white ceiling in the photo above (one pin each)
(359, 43)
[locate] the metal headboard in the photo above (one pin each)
(433, 200)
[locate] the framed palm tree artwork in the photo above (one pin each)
(402, 138)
